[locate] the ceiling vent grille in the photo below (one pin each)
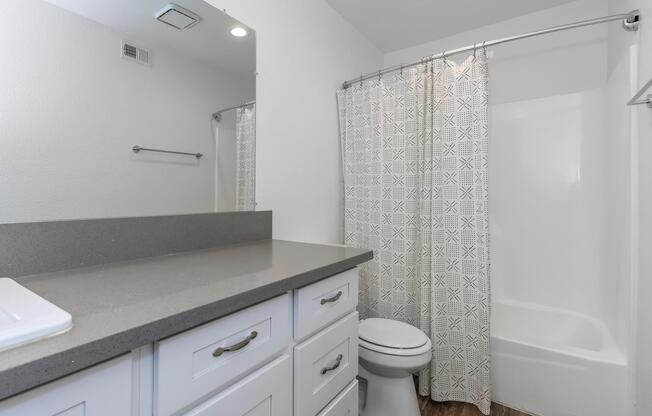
(177, 17)
(135, 54)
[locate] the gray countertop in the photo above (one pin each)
(122, 306)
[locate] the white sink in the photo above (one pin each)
(26, 317)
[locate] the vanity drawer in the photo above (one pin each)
(324, 365)
(346, 404)
(321, 303)
(197, 363)
(267, 392)
(102, 390)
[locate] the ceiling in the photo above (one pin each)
(209, 41)
(392, 25)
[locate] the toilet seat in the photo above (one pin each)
(390, 337)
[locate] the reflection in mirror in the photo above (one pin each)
(122, 108)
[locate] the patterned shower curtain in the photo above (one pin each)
(245, 189)
(414, 148)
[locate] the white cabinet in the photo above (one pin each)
(267, 392)
(322, 303)
(346, 404)
(196, 363)
(324, 365)
(247, 363)
(103, 390)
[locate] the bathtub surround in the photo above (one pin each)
(566, 363)
(548, 150)
(559, 219)
(415, 183)
(631, 54)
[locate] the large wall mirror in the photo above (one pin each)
(122, 108)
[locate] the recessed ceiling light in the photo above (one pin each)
(239, 32)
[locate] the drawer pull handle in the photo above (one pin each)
(235, 347)
(333, 299)
(338, 361)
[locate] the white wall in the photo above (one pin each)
(305, 50)
(544, 66)
(71, 108)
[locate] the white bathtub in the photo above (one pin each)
(552, 362)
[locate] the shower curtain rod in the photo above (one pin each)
(630, 23)
(218, 114)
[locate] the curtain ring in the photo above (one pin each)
(361, 80)
(379, 74)
(484, 48)
(401, 69)
(475, 49)
(443, 55)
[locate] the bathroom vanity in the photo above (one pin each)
(258, 328)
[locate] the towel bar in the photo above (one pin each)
(138, 148)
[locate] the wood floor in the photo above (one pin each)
(430, 408)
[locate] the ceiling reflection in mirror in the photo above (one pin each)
(122, 108)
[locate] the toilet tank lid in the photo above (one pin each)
(390, 333)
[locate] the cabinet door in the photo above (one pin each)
(346, 404)
(318, 305)
(103, 390)
(324, 365)
(198, 363)
(267, 392)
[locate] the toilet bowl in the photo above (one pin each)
(390, 352)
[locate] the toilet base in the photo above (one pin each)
(386, 396)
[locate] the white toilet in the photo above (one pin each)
(390, 352)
